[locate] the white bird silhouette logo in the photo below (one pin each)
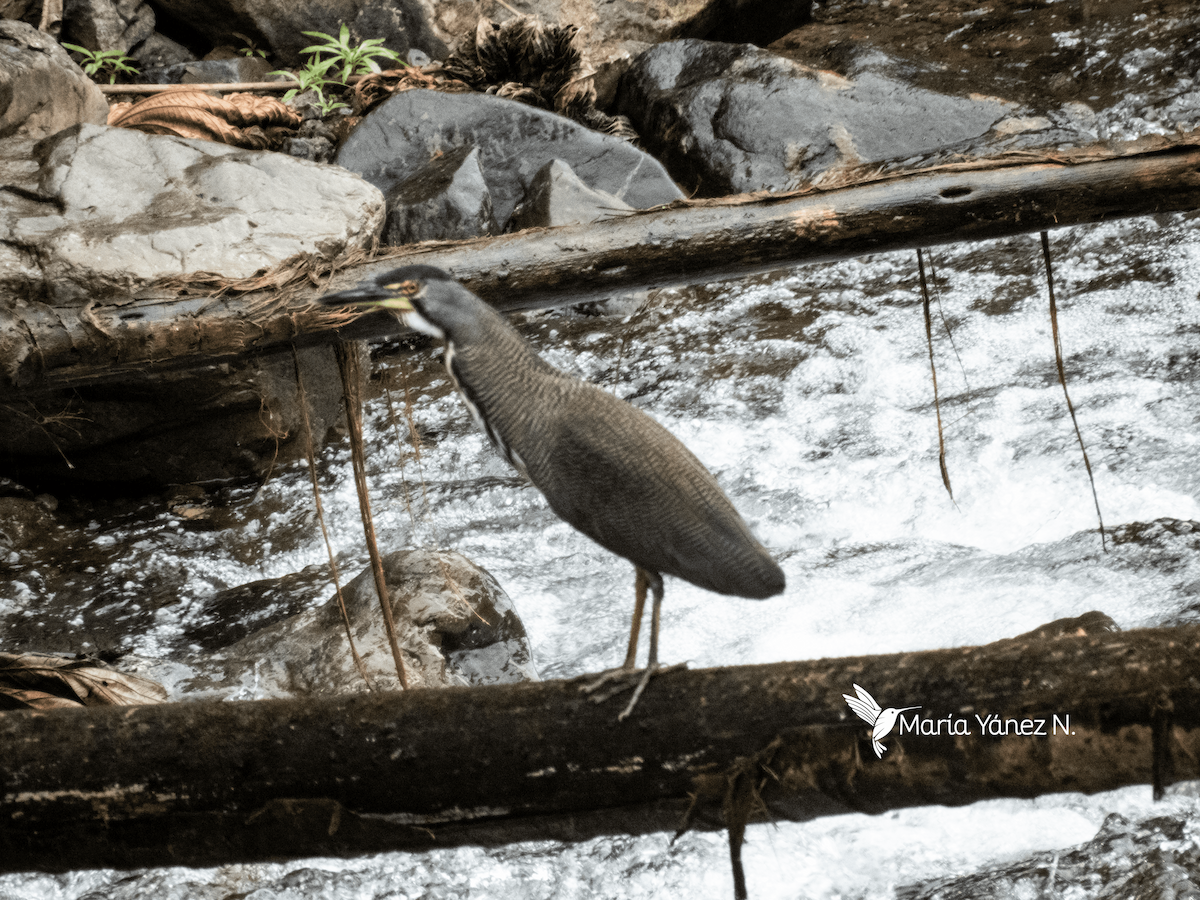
(881, 720)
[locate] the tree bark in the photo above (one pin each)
(208, 782)
(44, 348)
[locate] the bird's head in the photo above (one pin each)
(426, 298)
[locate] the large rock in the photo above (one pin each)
(731, 118)
(454, 623)
(278, 25)
(104, 210)
(107, 24)
(402, 135)
(42, 91)
(99, 212)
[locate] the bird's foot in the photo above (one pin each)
(620, 680)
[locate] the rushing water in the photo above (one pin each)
(808, 394)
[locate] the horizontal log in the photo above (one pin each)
(208, 782)
(44, 348)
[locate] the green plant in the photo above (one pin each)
(251, 49)
(313, 77)
(352, 60)
(328, 105)
(114, 61)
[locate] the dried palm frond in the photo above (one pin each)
(43, 681)
(527, 60)
(375, 88)
(237, 119)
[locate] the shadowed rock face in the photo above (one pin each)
(514, 141)
(41, 89)
(447, 200)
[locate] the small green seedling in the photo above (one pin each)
(113, 61)
(352, 60)
(313, 77)
(251, 49)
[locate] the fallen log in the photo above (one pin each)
(208, 782)
(44, 348)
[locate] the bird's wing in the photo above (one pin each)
(864, 705)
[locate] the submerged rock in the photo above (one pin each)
(1154, 858)
(455, 626)
(514, 141)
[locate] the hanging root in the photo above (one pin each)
(347, 357)
(302, 398)
(740, 789)
(937, 407)
(1062, 379)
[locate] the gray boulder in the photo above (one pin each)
(107, 24)
(733, 118)
(454, 623)
(403, 134)
(556, 196)
(96, 212)
(448, 200)
(42, 90)
(105, 210)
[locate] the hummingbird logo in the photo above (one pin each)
(881, 720)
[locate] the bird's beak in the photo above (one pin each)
(369, 295)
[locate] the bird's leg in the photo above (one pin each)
(622, 674)
(627, 677)
(654, 580)
(639, 589)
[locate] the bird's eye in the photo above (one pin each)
(409, 288)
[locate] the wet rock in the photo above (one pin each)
(732, 118)
(107, 24)
(455, 625)
(557, 196)
(238, 612)
(448, 200)
(105, 210)
(1153, 858)
(42, 91)
(403, 134)
(25, 523)
(278, 25)
(238, 70)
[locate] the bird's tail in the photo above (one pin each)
(879, 748)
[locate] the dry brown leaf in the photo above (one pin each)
(374, 88)
(237, 119)
(42, 681)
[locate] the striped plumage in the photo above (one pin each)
(605, 467)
